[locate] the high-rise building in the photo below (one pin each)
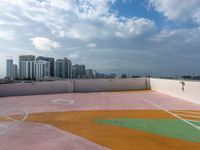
(74, 72)
(99, 75)
(51, 61)
(63, 68)
(15, 73)
(67, 68)
(9, 69)
(89, 73)
(59, 68)
(42, 69)
(27, 67)
(78, 71)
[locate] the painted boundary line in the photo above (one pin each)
(173, 114)
(17, 122)
(186, 112)
(188, 115)
(193, 120)
(186, 121)
(9, 118)
(63, 101)
(3, 126)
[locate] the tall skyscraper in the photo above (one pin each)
(27, 67)
(63, 68)
(59, 70)
(78, 71)
(15, 72)
(51, 61)
(68, 70)
(89, 73)
(42, 69)
(9, 69)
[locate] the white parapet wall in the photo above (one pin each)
(191, 91)
(69, 86)
(20, 89)
(106, 85)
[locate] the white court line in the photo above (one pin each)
(57, 100)
(185, 111)
(17, 122)
(4, 126)
(193, 120)
(173, 114)
(61, 101)
(9, 118)
(188, 115)
(26, 115)
(160, 107)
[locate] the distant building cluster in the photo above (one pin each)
(32, 68)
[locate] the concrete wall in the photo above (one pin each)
(190, 93)
(36, 88)
(68, 86)
(99, 85)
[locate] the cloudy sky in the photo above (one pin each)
(158, 37)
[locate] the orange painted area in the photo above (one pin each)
(189, 114)
(83, 123)
(191, 118)
(3, 119)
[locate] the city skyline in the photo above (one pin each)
(32, 67)
(157, 37)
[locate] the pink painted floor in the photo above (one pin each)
(92, 101)
(35, 136)
(20, 135)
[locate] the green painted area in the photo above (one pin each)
(172, 128)
(196, 123)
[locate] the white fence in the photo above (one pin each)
(187, 90)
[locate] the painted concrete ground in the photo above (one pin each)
(90, 121)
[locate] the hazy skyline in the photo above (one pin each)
(158, 37)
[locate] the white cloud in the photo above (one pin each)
(94, 8)
(186, 36)
(81, 24)
(177, 10)
(20, 3)
(129, 27)
(196, 16)
(66, 5)
(91, 45)
(73, 56)
(82, 19)
(44, 44)
(13, 16)
(7, 23)
(7, 35)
